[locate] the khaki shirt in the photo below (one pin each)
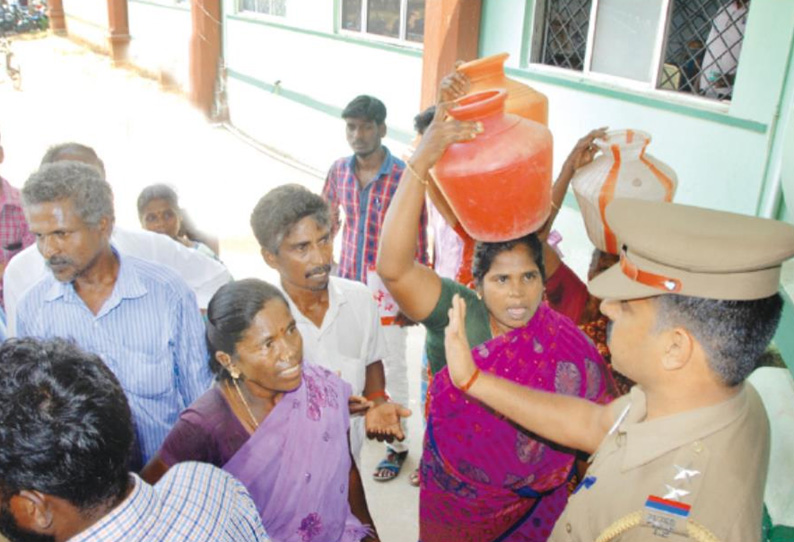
(674, 478)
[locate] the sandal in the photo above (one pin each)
(413, 478)
(389, 468)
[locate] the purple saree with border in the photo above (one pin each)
(297, 464)
(483, 478)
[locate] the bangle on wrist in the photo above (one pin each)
(465, 387)
(377, 395)
(418, 177)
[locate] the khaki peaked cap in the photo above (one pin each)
(669, 248)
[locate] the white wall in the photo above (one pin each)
(87, 20)
(160, 40)
(315, 74)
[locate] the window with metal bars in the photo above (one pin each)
(266, 7)
(402, 20)
(704, 42)
(565, 33)
(690, 46)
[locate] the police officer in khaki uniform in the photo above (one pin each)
(693, 303)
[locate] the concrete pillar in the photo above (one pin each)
(57, 17)
(452, 32)
(205, 51)
(118, 30)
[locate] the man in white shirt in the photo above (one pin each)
(338, 318)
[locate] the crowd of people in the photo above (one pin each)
(146, 395)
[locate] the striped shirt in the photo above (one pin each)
(364, 210)
(149, 332)
(193, 502)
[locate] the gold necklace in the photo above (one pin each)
(245, 403)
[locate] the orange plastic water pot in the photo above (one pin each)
(499, 183)
(489, 73)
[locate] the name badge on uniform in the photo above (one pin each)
(387, 307)
(665, 516)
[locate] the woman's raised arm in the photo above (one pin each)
(569, 421)
(415, 287)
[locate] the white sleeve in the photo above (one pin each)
(376, 344)
(204, 275)
(23, 271)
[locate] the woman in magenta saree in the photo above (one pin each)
(485, 479)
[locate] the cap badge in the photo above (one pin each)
(660, 282)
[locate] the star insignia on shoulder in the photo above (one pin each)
(675, 494)
(683, 473)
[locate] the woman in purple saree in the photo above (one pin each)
(276, 422)
(482, 478)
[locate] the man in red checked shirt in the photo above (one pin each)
(14, 233)
(363, 185)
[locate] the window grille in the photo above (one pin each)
(704, 41)
(565, 33)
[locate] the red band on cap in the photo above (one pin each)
(660, 282)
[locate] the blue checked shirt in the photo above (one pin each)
(193, 502)
(149, 332)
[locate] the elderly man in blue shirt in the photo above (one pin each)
(139, 317)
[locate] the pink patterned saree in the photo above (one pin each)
(483, 478)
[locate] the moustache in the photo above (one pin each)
(323, 269)
(58, 261)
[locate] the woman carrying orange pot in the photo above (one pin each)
(482, 478)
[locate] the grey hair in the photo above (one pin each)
(283, 207)
(90, 194)
(733, 334)
(157, 191)
(73, 151)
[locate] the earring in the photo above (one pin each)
(234, 372)
(479, 296)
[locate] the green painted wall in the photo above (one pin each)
(507, 26)
(764, 61)
(787, 152)
(784, 338)
(502, 28)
